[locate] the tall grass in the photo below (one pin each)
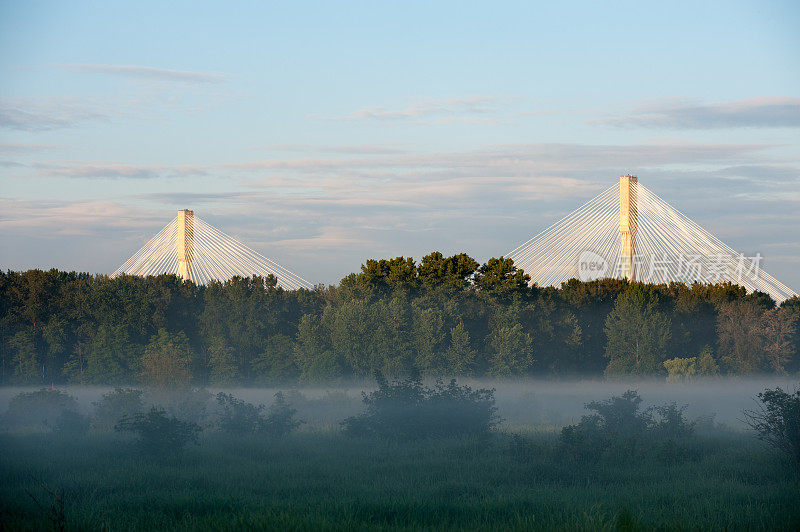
(323, 480)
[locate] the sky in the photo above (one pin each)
(323, 134)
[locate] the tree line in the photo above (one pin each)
(441, 316)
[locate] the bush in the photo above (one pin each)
(777, 421)
(672, 424)
(158, 433)
(686, 369)
(280, 418)
(237, 416)
(406, 409)
(38, 410)
(619, 428)
(240, 417)
(116, 405)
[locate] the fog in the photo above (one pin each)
(540, 404)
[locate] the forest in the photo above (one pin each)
(442, 316)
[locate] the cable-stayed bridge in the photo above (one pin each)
(627, 231)
(199, 252)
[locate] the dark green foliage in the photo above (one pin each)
(280, 419)
(157, 433)
(237, 416)
(619, 429)
(637, 333)
(777, 421)
(406, 409)
(441, 316)
(116, 405)
(38, 410)
(672, 423)
(500, 277)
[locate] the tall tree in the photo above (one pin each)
(167, 360)
(637, 334)
(501, 277)
(740, 336)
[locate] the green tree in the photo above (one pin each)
(313, 355)
(27, 367)
(706, 363)
(167, 360)
(436, 270)
(277, 363)
(223, 365)
(428, 338)
(501, 277)
(740, 336)
(779, 330)
(110, 356)
(460, 356)
(511, 351)
(637, 334)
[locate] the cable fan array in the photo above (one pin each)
(213, 255)
(669, 247)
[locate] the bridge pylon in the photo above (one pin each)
(628, 203)
(185, 243)
(195, 251)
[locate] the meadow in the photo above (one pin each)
(325, 481)
(518, 477)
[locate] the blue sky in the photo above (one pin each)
(322, 134)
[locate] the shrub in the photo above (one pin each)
(38, 410)
(777, 421)
(237, 416)
(685, 369)
(672, 424)
(619, 428)
(116, 405)
(158, 433)
(620, 416)
(240, 417)
(280, 418)
(681, 369)
(406, 409)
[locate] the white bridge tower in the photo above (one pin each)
(627, 225)
(185, 243)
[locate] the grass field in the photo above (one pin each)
(323, 480)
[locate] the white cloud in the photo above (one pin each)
(144, 72)
(447, 110)
(770, 112)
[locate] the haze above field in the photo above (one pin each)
(322, 135)
(545, 404)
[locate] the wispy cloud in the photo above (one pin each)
(448, 110)
(23, 147)
(352, 149)
(61, 218)
(772, 112)
(44, 115)
(515, 161)
(145, 72)
(115, 171)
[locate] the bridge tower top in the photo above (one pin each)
(185, 243)
(628, 202)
